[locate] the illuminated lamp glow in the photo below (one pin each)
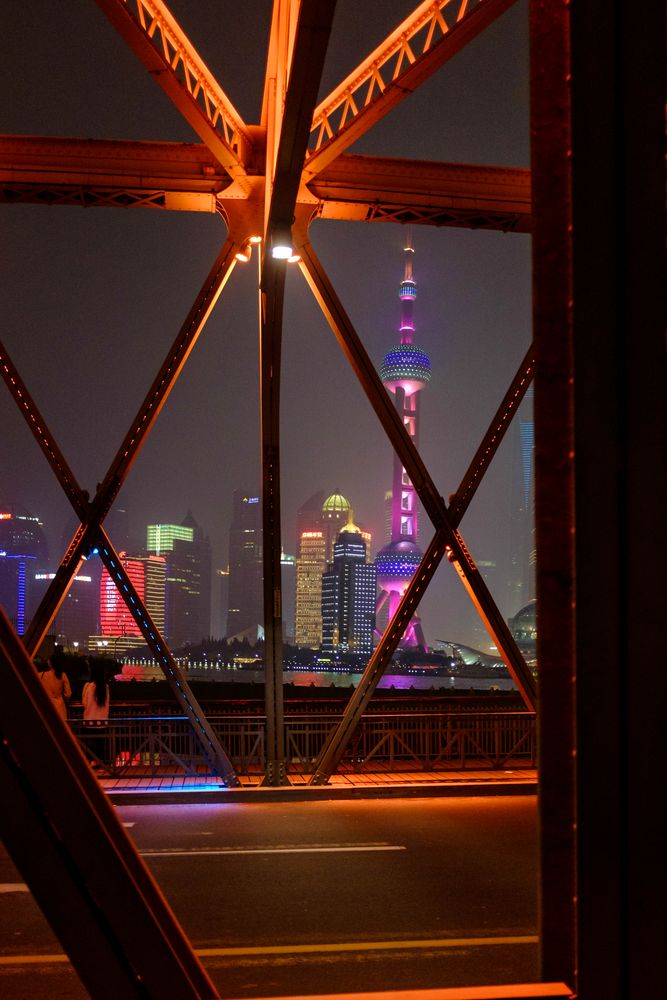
(281, 251)
(255, 239)
(5, 517)
(294, 259)
(243, 255)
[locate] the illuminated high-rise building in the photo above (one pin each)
(187, 552)
(348, 596)
(23, 554)
(119, 632)
(334, 515)
(246, 600)
(288, 584)
(310, 565)
(405, 370)
(78, 615)
(319, 522)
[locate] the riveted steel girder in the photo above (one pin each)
(311, 37)
(423, 42)
(433, 503)
(154, 35)
(92, 514)
(338, 738)
(78, 861)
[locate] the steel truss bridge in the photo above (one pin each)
(268, 181)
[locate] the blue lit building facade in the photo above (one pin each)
(23, 553)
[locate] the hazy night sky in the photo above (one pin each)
(92, 299)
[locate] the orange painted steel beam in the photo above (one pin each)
(423, 42)
(79, 863)
(335, 744)
(386, 189)
(157, 39)
(433, 503)
(187, 177)
(178, 167)
(310, 41)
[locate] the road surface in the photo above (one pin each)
(318, 897)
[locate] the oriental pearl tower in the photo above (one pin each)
(405, 370)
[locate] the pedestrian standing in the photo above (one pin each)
(95, 700)
(56, 684)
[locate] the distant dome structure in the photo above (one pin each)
(336, 504)
(523, 625)
(351, 528)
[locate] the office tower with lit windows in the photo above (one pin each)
(348, 596)
(288, 584)
(246, 600)
(405, 370)
(333, 517)
(319, 522)
(187, 552)
(79, 614)
(310, 564)
(119, 633)
(23, 554)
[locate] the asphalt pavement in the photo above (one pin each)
(315, 897)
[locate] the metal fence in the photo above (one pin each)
(152, 745)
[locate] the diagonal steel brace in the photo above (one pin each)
(433, 503)
(337, 740)
(92, 514)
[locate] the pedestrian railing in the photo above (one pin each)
(152, 745)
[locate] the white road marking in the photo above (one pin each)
(13, 887)
(268, 850)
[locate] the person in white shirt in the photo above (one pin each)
(95, 700)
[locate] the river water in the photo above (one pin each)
(318, 678)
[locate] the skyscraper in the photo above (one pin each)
(333, 517)
(310, 564)
(319, 522)
(119, 632)
(78, 616)
(23, 553)
(246, 608)
(348, 596)
(405, 370)
(187, 551)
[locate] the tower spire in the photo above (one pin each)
(407, 292)
(405, 370)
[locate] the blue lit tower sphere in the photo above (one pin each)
(405, 370)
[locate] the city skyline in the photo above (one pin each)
(114, 286)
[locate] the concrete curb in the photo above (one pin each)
(322, 793)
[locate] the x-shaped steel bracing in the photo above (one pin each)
(267, 199)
